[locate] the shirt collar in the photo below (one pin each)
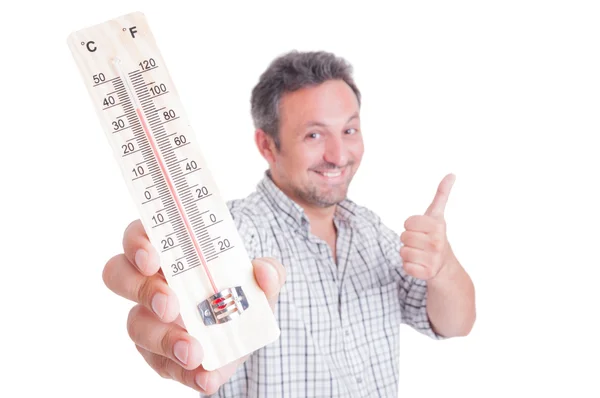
(294, 214)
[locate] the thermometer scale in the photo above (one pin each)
(201, 253)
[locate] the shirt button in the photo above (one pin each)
(359, 380)
(347, 333)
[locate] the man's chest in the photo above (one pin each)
(336, 299)
(346, 316)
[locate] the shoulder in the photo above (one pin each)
(250, 218)
(250, 214)
(243, 208)
(369, 223)
(362, 216)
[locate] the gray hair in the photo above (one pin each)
(289, 72)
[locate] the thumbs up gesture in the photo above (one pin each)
(425, 249)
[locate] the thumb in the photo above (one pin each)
(438, 205)
(270, 275)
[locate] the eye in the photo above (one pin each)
(351, 131)
(313, 135)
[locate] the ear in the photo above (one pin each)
(265, 145)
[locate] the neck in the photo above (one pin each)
(320, 217)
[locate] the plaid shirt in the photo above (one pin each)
(339, 320)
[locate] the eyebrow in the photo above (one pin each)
(319, 124)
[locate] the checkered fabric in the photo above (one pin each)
(339, 320)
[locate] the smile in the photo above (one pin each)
(332, 174)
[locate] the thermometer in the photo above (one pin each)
(201, 253)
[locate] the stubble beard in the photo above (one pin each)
(324, 198)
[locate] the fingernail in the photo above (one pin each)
(272, 271)
(201, 380)
(141, 259)
(181, 350)
(159, 304)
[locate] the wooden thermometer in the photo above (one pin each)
(201, 253)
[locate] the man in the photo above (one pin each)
(339, 281)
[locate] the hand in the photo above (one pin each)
(426, 249)
(154, 324)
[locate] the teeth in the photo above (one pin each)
(332, 174)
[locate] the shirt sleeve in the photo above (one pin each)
(412, 291)
(254, 239)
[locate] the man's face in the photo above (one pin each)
(321, 143)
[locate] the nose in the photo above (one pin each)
(336, 151)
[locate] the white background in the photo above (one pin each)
(506, 95)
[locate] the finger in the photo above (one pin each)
(199, 379)
(210, 381)
(138, 249)
(270, 275)
(437, 207)
(416, 256)
(152, 292)
(418, 240)
(417, 270)
(424, 224)
(422, 241)
(156, 362)
(166, 339)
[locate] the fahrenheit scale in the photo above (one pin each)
(201, 253)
